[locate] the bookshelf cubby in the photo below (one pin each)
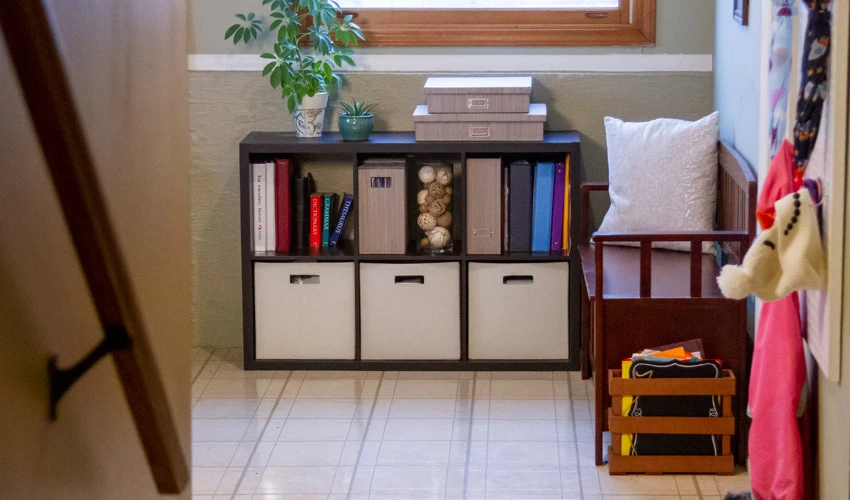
(262, 146)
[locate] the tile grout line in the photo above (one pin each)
(575, 435)
(558, 435)
(469, 439)
(363, 440)
(260, 437)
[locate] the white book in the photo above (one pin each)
(258, 205)
(271, 231)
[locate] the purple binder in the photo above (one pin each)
(558, 206)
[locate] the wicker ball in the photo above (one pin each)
(423, 208)
(445, 220)
(424, 242)
(420, 196)
(426, 221)
(444, 176)
(436, 191)
(448, 189)
(446, 199)
(436, 208)
(429, 198)
(427, 174)
(439, 237)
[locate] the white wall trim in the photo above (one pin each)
(382, 63)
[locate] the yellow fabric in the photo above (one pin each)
(626, 440)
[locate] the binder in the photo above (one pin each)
(506, 209)
(483, 205)
(520, 206)
(565, 238)
(541, 225)
(283, 205)
(301, 220)
(558, 207)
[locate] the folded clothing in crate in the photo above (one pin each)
(671, 406)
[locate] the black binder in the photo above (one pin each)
(520, 202)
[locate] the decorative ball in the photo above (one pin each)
(436, 191)
(429, 198)
(445, 220)
(424, 242)
(436, 208)
(439, 237)
(426, 221)
(427, 174)
(420, 196)
(444, 176)
(423, 208)
(446, 200)
(448, 189)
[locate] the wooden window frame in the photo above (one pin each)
(633, 23)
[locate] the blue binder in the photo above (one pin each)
(541, 223)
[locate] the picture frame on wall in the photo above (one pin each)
(741, 12)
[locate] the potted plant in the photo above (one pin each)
(312, 39)
(356, 120)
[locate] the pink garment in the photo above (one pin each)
(776, 377)
(778, 370)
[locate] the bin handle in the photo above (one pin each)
(410, 280)
(304, 279)
(518, 279)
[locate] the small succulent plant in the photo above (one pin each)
(356, 108)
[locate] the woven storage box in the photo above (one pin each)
(480, 127)
(724, 425)
(478, 95)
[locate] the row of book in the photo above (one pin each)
(536, 206)
(288, 213)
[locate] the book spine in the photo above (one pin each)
(565, 237)
(520, 207)
(344, 211)
(271, 223)
(541, 226)
(259, 197)
(506, 209)
(315, 220)
(326, 219)
(283, 205)
(558, 207)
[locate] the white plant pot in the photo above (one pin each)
(309, 116)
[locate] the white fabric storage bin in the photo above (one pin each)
(519, 311)
(410, 311)
(304, 310)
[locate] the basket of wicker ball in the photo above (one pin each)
(434, 200)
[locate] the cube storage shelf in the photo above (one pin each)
(305, 309)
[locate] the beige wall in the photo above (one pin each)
(225, 106)
(133, 101)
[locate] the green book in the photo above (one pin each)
(327, 205)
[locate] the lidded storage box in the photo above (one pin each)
(381, 196)
(478, 94)
(479, 126)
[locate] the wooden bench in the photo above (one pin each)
(635, 298)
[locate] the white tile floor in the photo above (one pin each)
(405, 435)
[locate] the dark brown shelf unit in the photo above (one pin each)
(264, 145)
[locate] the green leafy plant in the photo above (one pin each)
(312, 44)
(356, 108)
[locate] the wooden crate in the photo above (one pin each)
(658, 464)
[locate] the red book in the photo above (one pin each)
(283, 204)
(316, 220)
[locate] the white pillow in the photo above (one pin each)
(662, 176)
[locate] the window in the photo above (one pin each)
(504, 22)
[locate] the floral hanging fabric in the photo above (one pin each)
(813, 85)
(779, 71)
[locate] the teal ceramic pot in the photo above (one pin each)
(356, 128)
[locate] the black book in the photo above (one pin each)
(301, 217)
(519, 204)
